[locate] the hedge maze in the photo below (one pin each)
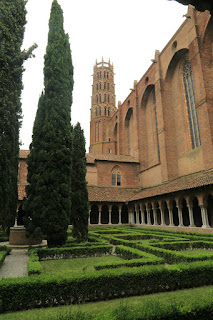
(152, 261)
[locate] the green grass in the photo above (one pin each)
(67, 266)
(201, 252)
(181, 297)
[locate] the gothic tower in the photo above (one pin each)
(103, 108)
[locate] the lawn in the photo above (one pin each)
(201, 252)
(67, 266)
(181, 298)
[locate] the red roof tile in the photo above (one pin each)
(110, 194)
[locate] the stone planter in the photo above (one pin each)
(18, 237)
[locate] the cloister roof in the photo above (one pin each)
(110, 194)
(195, 180)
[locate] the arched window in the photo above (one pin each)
(99, 97)
(96, 86)
(100, 111)
(96, 112)
(116, 178)
(104, 85)
(105, 111)
(99, 85)
(105, 98)
(104, 74)
(191, 104)
(96, 98)
(108, 97)
(108, 111)
(107, 75)
(97, 76)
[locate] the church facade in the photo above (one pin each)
(150, 160)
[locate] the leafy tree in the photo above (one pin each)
(48, 203)
(12, 22)
(80, 203)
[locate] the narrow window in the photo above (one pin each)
(99, 97)
(118, 179)
(105, 98)
(104, 85)
(100, 86)
(114, 179)
(191, 104)
(108, 86)
(96, 86)
(104, 74)
(107, 75)
(105, 111)
(96, 98)
(100, 111)
(108, 97)
(97, 76)
(108, 112)
(100, 74)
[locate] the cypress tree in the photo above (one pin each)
(12, 22)
(48, 203)
(80, 203)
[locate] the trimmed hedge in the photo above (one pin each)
(34, 266)
(44, 291)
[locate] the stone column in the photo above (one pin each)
(204, 215)
(110, 215)
(148, 217)
(119, 212)
(155, 216)
(191, 218)
(162, 216)
(99, 215)
(180, 216)
(142, 215)
(171, 222)
(89, 217)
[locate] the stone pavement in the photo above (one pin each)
(15, 264)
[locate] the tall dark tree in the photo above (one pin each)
(80, 203)
(12, 22)
(48, 201)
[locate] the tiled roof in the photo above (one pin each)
(112, 157)
(23, 154)
(195, 180)
(110, 194)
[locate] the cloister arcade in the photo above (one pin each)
(190, 210)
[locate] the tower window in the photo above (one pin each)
(108, 86)
(99, 97)
(100, 111)
(97, 76)
(96, 98)
(104, 74)
(108, 111)
(108, 97)
(105, 98)
(100, 74)
(100, 85)
(105, 111)
(96, 112)
(107, 75)
(104, 85)
(191, 104)
(96, 86)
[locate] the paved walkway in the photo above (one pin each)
(15, 264)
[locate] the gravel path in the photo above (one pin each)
(15, 264)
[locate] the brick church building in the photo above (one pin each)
(150, 160)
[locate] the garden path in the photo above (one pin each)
(15, 264)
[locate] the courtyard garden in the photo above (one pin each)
(120, 273)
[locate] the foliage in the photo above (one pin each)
(48, 201)
(12, 22)
(80, 203)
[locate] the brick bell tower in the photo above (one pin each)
(102, 109)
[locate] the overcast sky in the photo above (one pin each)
(127, 32)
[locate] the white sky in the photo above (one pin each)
(127, 32)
